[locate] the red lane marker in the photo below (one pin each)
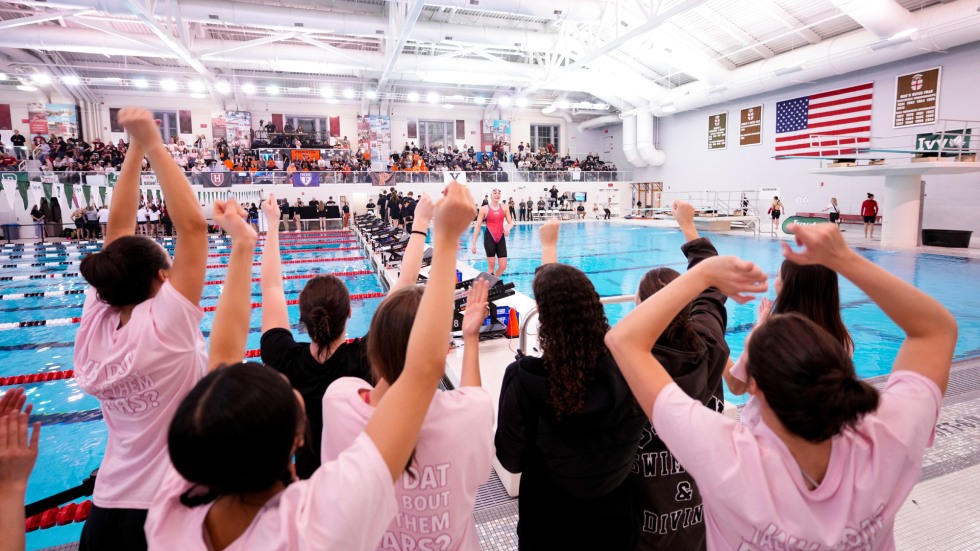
(300, 261)
(359, 296)
(301, 276)
(314, 249)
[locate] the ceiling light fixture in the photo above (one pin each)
(564, 104)
(479, 100)
(195, 86)
(71, 80)
(458, 97)
(432, 97)
(504, 101)
(326, 91)
(168, 85)
(41, 78)
(3, 76)
(371, 94)
(303, 89)
(113, 79)
(348, 93)
(140, 83)
(27, 88)
(248, 88)
(412, 96)
(522, 102)
(222, 87)
(272, 89)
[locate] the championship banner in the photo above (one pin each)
(38, 117)
(717, 131)
(306, 179)
(917, 98)
(215, 179)
(750, 126)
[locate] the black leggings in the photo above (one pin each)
(111, 529)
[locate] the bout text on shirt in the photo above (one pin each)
(132, 393)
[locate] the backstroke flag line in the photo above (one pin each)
(831, 123)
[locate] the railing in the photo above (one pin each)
(533, 313)
(381, 178)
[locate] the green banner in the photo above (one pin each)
(803, 221)
(47, 190)
(22, 188)
(112, 177)
(159, 197)
(70, 195)
(87, 194)
(950, 141)
(8, 179)
(102, 193)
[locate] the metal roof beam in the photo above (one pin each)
(39, 18)
(789, 20)
(400, 28)
(148, 19)
(736, 32)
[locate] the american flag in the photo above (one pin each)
(827, 124)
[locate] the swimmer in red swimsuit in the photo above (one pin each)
(499, 223)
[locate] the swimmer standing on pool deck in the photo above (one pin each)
(499, 223)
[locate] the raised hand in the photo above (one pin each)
(549, 232)
(476, 308)
(765, 309)
(231, 217)
(17, 452)
(270, 207)
(822, 244)
(13, 401)
(141, 126)
(455, 212)
(424, 209)
(733, 276)
(683, 212)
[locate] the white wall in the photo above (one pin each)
(952, 202)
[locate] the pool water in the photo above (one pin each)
(615, 257)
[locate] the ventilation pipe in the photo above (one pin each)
(569, 10)
(599, 122)
(644, 138)
(629, 142)
(884, 18)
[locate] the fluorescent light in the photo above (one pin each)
(71, 80)
(333, 100)
(326, 91)
(303, 89)
(903, 34)
(371, 94)
(198, 95)
(140, 83)
(432, 97)
(27, 88)
(272, 90)
(564, 104)
(3, 76)
(168, 85)
(41, 78)
(195, 86)
(458, 97)
(248, 88)
(479, 100)
(222, 87)
(447, 106)
(412, 96)
(348, 93)
(113, 79)
(504, 101)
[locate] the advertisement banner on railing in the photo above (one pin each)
(306, 179)
(148, 179)
(309, 155)
(215, 179)
(382, 178)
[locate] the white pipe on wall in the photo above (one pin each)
(629, 142)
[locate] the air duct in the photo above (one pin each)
(629, 142)
(884, 18)
(644, 139)
(599, 122)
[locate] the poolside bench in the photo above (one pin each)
(844, 218)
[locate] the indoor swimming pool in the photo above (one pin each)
(614, 255)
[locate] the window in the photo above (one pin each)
(310, 125)
(168, 124)
(542, 135)
(437, 133)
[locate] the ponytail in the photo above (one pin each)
(807, 377)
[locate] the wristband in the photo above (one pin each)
(422, 233)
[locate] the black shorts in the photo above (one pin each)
(834, 216)
(776, 214)
(494, 248)
(114, 529)
(870, 219)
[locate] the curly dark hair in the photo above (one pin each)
(572, 326)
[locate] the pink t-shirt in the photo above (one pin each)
(139, 372)
(452, 459)
(755, 497)
(346, 505)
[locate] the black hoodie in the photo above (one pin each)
(669, 504)
(574, 493)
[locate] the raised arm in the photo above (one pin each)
(476, 228)
(549, 241)
(632, 339)
(684, 215)
(473, 318)
(231, 319)
(395, 425)
(191, 249)
(125, 197)
(412, 261)
(17, 457)
(930, 330)
(274, 313)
